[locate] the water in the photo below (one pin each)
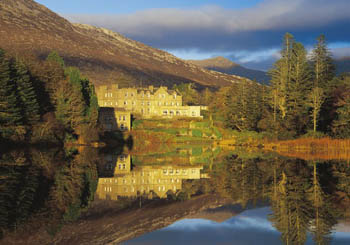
(175, 194)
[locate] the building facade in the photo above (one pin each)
(112, 119)
(146, 102)
(145, 180)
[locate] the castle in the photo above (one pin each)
(146, 102)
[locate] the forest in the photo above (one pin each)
(45, 101)
(304, 97)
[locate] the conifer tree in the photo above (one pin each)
(26, 92)
(10, 112)
(280, 79)
(324, 70)
(299, 87)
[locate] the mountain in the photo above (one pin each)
(224, 65)
(102, 55)
(342, 65)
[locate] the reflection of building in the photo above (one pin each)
(147, 102)
(112, 119)
(145, 180)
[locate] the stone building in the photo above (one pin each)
(145, 180)
(146, 102)
(112, 119)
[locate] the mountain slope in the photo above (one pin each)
(342, 65)
(224, 65)
(102, 55)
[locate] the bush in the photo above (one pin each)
(312, 134)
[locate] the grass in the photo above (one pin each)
(313, 148)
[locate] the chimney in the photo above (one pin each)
(151, 88)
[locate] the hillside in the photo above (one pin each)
(226, 66)
(102, 55)
(342, 65)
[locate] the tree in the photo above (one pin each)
(300, 85)
(324, 70)
(316, 99)
(10, 111)
(280, 79)
(340, 126)
(26, 92)
(55, 57)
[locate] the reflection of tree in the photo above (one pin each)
(240, 179)
(44, 187)
(291, 211)
(323, 219)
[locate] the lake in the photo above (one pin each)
(172, 194)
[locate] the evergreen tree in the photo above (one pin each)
(300, 85)
(340, 126)
(10, 112)
(55, 57)
(324, 70)
(26, 92)
(280, 79)
(316, 99)
(70, 106)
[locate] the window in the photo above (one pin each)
(171, 113)
(193, 113)
(163, 95)
(165, 113)
(165, 171)
(126, 94)
(174, 96)
(172, 103)
(124, 118)
(148, 110)
(124, 166)
(177, 113)
(148, 94)
(132, 94)
(133, 103)
(159, 103)
(171, 171)
(125, 102)
(122, 127)
(177, 103)
(106, 95)
(120, 118)
(142, 103)
(116, 103)
(148, 103)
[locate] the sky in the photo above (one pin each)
(248, 32)
(249, 227)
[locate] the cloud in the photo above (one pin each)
(214, 29)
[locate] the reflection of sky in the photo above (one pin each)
(249, 227)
